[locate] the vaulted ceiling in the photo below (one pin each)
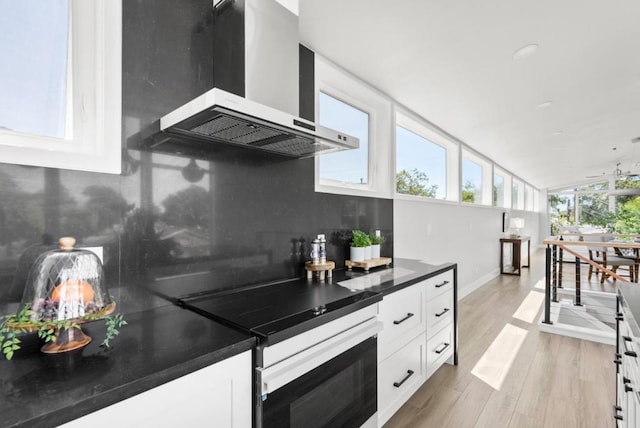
(452, 62)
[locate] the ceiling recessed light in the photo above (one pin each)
(525, 51)
(557, 133)
(544, 105)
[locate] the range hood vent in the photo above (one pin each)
(256, 112)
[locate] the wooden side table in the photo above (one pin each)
(516, 246)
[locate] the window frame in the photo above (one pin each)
(355, 104)
(506, 195)
(452, 152)
(520, 202)
(338, 83)
(528, 197)
(95, 145)
(487, 177)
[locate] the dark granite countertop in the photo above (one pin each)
(194, 284)
(158, 345)
(275, 312)
(161, 342)
(402, 274)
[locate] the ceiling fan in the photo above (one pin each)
(632, 191)
(617, 173)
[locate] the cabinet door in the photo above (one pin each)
(439, 349)
(634, 402)
(439, 312)
(218, 395)
(440, 284)
(402, 314)
(399, 376)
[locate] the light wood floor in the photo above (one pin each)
(554, 381)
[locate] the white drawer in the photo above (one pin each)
(629, 343)
(439, 313)
(402, 314)
(439, 349)
(440, 284)
(399, 377)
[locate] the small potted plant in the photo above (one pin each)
(359, 243)
(376, 241)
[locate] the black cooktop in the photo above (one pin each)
(278, 311)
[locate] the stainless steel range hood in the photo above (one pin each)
(255, 100)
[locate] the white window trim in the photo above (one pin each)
(418, 126)
(340, 84)
(487, 176)
(528, 201)
(96, 144)
(520, 185)
(506, 197)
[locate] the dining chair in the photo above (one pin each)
(630, 254)
(599, 255)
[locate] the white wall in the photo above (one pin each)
(450, 232)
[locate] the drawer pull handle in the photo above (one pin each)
(627, 388)
(442, 285)
(626, 338)
(444, 346)
(399, 384)
(409, 315)
(444, 311)
(627, 351)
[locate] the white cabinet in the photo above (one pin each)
(399, 376)
(400, 348)
(218, 395)
(440, 321)
(628, 376)
(403, 316)
(439, 348)
(419, 335)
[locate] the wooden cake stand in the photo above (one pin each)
(319, 269)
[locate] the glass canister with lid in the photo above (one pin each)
(66, 284)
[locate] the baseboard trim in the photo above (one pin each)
(483, 280)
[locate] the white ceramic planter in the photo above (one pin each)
(357, 254)
(367, 252)
(375, 251)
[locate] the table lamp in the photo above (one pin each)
(516, 223)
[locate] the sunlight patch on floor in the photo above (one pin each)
(540, 284)
(493, 366)
(529, 307)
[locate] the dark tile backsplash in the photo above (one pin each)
(183, 219)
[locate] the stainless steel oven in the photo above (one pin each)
(324, 377)
(315, 359)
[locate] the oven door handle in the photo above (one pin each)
(283, 372)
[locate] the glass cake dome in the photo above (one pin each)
(66, 284)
